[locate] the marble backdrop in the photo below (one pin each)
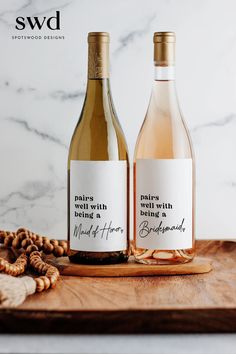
(42, 87)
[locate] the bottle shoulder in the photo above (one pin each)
(163, 135)
(98, 137)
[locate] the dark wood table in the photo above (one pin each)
(160, 304)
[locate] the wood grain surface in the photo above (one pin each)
(131, 268)
(157, 304)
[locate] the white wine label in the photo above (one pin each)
(164, 204)
(98, 206)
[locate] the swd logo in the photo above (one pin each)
(53, 23)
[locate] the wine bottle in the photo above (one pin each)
(163, 170)
(98, 170)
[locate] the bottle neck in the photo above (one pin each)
(164, 102)
(98, 60)
(164, 73)
(98, 73)
(97, 90)
(164, 94)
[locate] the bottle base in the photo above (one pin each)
(163, 257)
(81, 257)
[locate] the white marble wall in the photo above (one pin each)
(42, 85)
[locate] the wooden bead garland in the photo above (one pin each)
(33, 245)
(16, 268)
(51, 273)
(24, 238)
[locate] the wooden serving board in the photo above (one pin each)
(131, 268)
(151, 304)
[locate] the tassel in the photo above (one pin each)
(13, 291)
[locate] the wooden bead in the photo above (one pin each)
(26, 242)
(36, 264)
(53, 274)
(8, 240)
(54, 242)
(52, 270)
(2, 264)
(2, 236)
(58, 251)
(22, 235)
(48, 247)
(31, 248)
(12, 270)
(21, 229)
(40, 268)
(33, 237)
(39, 285)
(21, 268)
(35, 258)
(45, 268)
(7, 266)
(46, 282)
(38, 244)
(64, 244)
(16, 243)
(35, 253)
(53, 280)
